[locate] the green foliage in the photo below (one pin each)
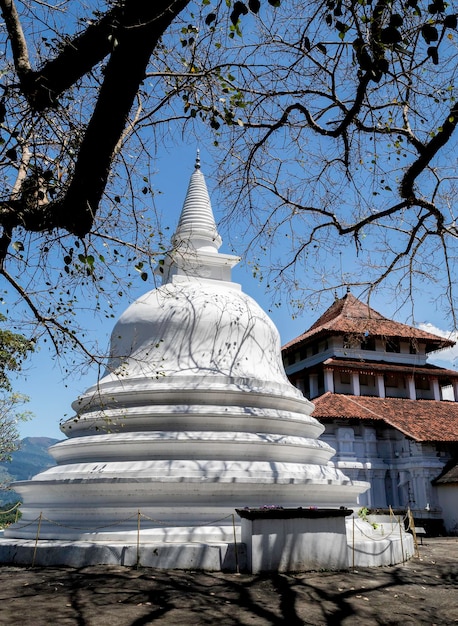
(9, 514)
(363, 513)
(10, 417)
(13, 349)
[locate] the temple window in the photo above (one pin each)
(351, 342)
(306, 387)
(345, 378)
(423, 383)
(392, 345)
(321, 383)
(368, 343)
(367, 380)
(393, 380)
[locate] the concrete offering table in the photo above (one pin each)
(294, 539)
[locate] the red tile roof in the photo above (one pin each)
(422, 420)
(449, 474)
(380, 367)
(348, 315)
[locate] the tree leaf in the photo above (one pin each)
(429, 33)
(11, 154)
(254, 5)
(433, 53)
(390, 35)
(396, 20)
(450, 21)
(211, 17)
(238, 10)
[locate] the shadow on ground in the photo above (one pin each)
(423, 591)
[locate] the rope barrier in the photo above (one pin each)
(414, 533)
(118, 523)
(16, 506)
(19, 526)
(397, 523)
(139, 515)
(152, 519)
(376, 538)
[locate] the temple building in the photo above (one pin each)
(385, 408)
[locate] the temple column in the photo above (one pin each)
(418, 484)
(378, 491)
(380, 386)
(436, 389)
(455, 390)
(355, 384)
(329, 380)
(411, 386)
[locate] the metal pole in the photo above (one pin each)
(36, 538)
(237, 569)
(353, 546)
(138, 539)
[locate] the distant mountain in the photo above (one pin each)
(30, 459)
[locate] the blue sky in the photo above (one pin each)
(51, 392)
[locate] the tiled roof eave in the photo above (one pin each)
(378, 367)
(429, 421)
(412, 334)
(405, 432)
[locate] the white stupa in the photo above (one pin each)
(193, 418)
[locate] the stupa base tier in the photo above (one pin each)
(110, 511)
(139, 451)
(360, 546)
(260, 418)
(139, 530)
(168, 474)
(190, 495)
(210, 557)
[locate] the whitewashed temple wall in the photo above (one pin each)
(448, 501)
(399, 470)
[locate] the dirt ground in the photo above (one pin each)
(423, 591)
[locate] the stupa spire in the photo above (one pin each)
(197, 227)
(196, 240)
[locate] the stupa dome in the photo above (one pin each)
(198, 329)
